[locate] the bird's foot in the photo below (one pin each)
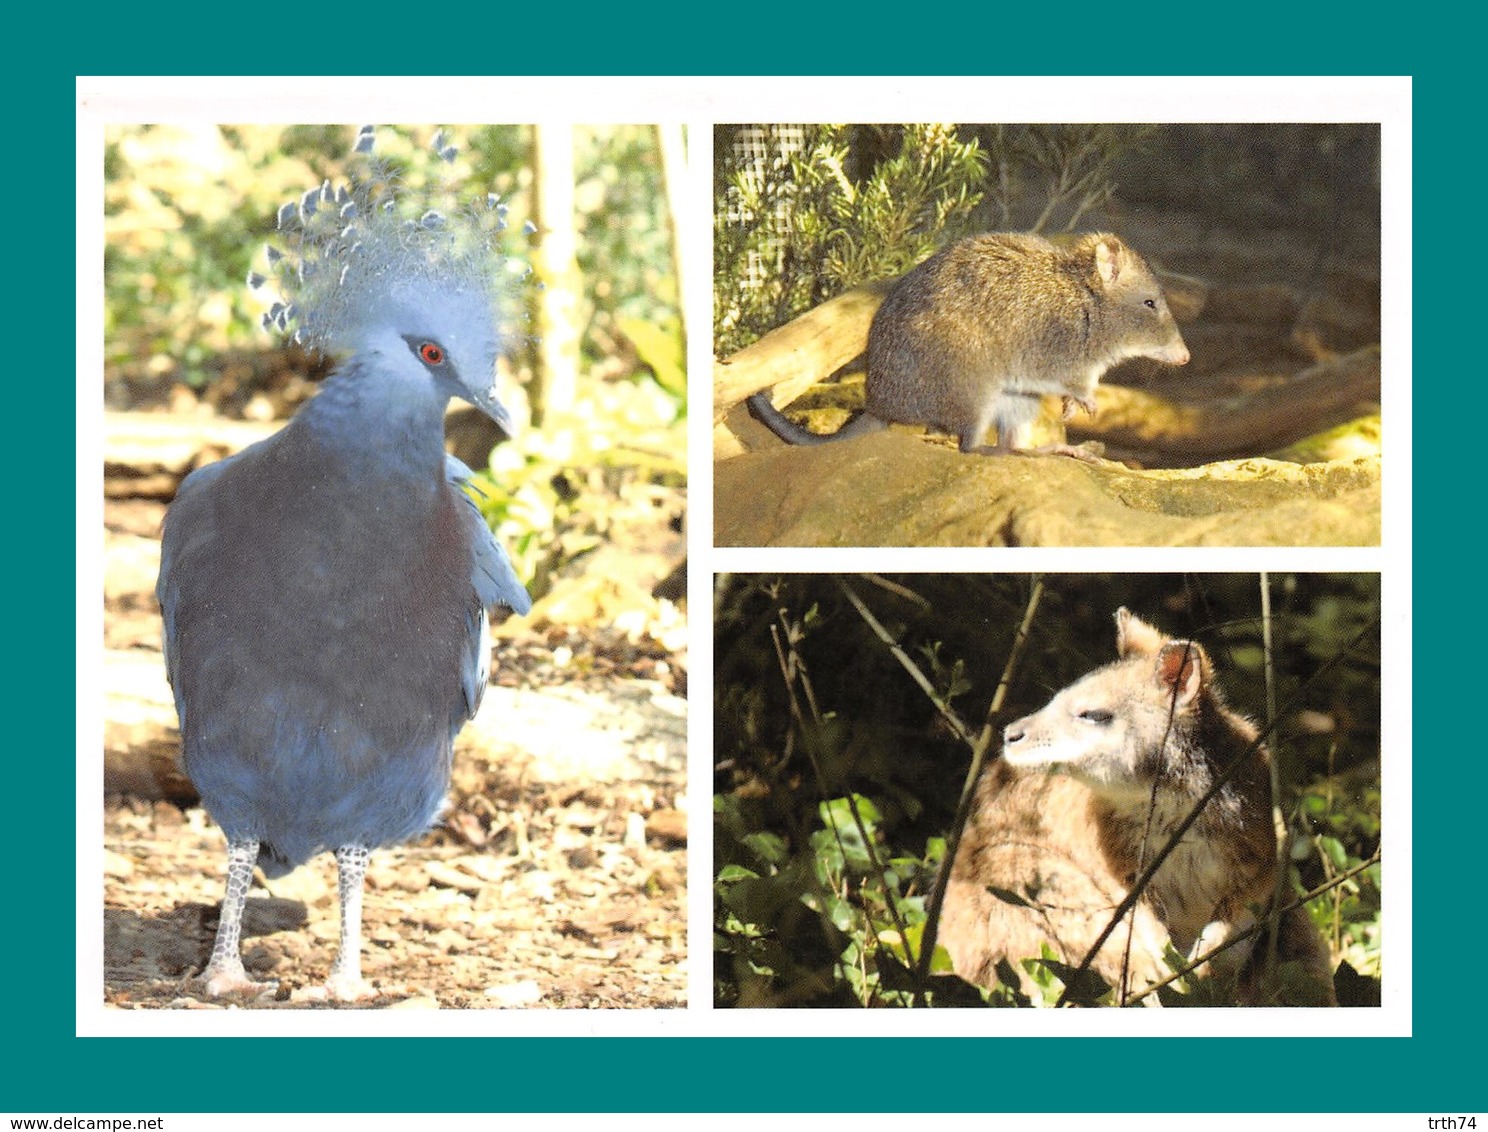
(220, 980)
(348, 986)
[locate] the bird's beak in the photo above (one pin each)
(489, 403)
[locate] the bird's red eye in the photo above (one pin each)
(432, 353)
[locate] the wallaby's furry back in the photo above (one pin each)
(1087, 791)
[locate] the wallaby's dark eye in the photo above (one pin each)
(1150, 303)
(432, 353)
(1097, 715)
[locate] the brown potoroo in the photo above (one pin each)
(972, 338)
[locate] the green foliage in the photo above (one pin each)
(839, 921)
(1057, 979)
(828, 210)
(806, 212)
(838, 781)
(554, 495)
(185, 211)
(660, 345)
(1316, 618)
(625, 253)
(1343, 815)
(188, 209)
(1064, 170)
(949, 678)
(835, 913)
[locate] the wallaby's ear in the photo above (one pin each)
(1135, 636)
(1183, 668)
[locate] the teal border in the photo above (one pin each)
(47, 1069)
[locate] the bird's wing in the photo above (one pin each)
(495, 583)
(175, 544)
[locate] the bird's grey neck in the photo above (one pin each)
(379, 424)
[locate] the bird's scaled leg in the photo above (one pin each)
(225, 973)
(345, 982)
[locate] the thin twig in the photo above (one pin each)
(978, 744)
(793, 668)
(1125, 982)
(968, 788)
(899, 591)
(789, 667)
(953, 721)
(1278, 818)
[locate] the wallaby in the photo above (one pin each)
(972, 338)
(1087, 792)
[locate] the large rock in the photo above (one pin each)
(894, 489)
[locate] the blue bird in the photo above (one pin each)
(324, 591)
